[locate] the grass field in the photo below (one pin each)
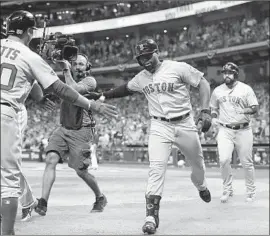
(182, 212)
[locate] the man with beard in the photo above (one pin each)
(165, 85)
(73, 138)
(231, 104)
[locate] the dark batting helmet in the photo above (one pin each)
(19, 21)
(231, 67)
(146, 46)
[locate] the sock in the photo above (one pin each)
(9, 208)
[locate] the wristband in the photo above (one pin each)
(206, 111)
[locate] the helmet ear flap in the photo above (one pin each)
(139, 61)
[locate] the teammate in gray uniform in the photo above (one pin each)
(166, 84)
(232, 103)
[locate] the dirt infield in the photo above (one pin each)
(182, 211)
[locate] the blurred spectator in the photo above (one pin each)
(257, 158)
(106, 11)
(119, 49)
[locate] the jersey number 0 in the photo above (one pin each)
(8, 75)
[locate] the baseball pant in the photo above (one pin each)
(10, 153)
(242, 141)
(26, 199)
(185, 136)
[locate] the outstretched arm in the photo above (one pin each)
(68, 94)
(36, 92)
(119, 92)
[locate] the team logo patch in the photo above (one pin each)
(140, 47)
(18, 31)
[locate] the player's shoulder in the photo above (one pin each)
(219, 88)
(175, 63)
(244, 85)
(142, 74)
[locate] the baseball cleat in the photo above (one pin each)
(27, 212)
(225, 196)
(250, 197)
(99, 204)
(41, 207)
(149, 227)
(205, 195)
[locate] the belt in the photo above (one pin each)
(5, 104)
(71, 128)
(236, 127)
(178, 118)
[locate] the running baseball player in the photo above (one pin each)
(232, 103)
(165, 84)
(20, 67)
(73, 138)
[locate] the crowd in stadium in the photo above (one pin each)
(107, 11)
(189, 40)
(132, 127)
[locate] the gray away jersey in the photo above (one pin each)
(167, 90)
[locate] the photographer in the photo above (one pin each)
(74, 136)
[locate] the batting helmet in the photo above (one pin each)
(19, 21)
(146, 46)
(231, 67)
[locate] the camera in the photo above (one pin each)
(59, 46)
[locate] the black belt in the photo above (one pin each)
(178, 118)
(71, 128)
(5, 104)
(236, 127)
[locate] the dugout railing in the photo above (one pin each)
(139, 155)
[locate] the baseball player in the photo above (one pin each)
(232, 103)
(165, 84)
(73, 138)
(20, 67)
(27, 199)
